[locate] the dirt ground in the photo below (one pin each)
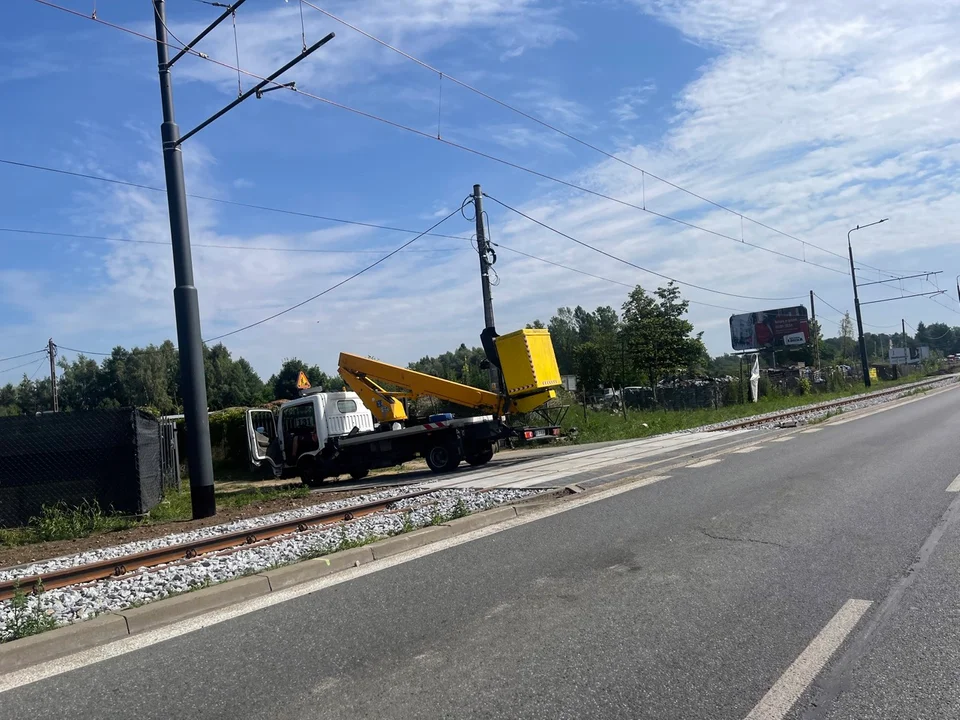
(23, 554)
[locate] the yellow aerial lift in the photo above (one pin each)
(325, 434)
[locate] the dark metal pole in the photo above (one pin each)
(741, 380)
(816, 333)
(483, 250)
(856, 305)
(185, 299)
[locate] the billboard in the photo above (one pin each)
(770, 329)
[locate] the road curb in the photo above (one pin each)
(65, 640)
(306, 570)
(170, 610)
(86, 634)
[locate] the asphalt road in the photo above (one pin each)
(704, 595)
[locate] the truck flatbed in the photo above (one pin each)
(415, 430)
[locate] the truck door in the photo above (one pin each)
(263, 444)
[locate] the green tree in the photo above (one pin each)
(8, 400)
(230, 383)
(79, 386)
(563, 333)
(846, 337)
(658, 337)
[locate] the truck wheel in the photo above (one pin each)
(443, 457)
(307, 469)
(481, 458)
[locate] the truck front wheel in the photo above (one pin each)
(309, 472)
(443, 457)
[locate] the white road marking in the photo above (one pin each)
(555, 470)
(783, 439)
(744, 451)
(705, 463)
(810, 430)
(11, 681)
(955, 485)
(787, 690)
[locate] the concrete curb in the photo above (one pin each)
(84, 635)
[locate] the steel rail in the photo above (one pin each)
(119, 566)
(827, 406)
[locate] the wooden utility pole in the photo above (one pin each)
(52, 352)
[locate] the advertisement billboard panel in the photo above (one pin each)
(770, 329)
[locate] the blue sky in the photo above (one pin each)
(809, 117)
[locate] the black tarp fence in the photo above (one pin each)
(115, 457)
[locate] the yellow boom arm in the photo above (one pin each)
(527, 360)
(359, 373)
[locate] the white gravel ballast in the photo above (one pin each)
(143, 585)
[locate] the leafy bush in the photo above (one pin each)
(804, 386)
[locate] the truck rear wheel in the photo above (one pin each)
(443, 457)
(480, 458)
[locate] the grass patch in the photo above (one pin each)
(62, 522)
(604, 426)
(27, 616)
(176, 505)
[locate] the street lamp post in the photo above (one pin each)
(856, 303)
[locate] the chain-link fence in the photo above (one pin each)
(677, 395)
(115, 457)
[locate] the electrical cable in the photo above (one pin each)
(91, 352)
(631, 264)
(467, 148)
(336, 285)
(36, 370)
(598, 277)
(572, 137)
(237, 203)
(226, 247)
(17, 357)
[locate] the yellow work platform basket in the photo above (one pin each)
(528, 362)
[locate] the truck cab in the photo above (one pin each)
(290, 440)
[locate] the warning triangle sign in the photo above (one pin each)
(302, 381)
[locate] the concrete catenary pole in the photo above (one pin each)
(483, 250)
(52, 352)
(185, 298)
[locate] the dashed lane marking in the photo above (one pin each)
(955, 485)
(787, 690)
(750, 449)
(811, 430)
(783, 439)
(705, 463)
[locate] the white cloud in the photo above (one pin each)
(811, 117)
(627, 105)
(269, 38)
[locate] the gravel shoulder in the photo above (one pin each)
(34, 552)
